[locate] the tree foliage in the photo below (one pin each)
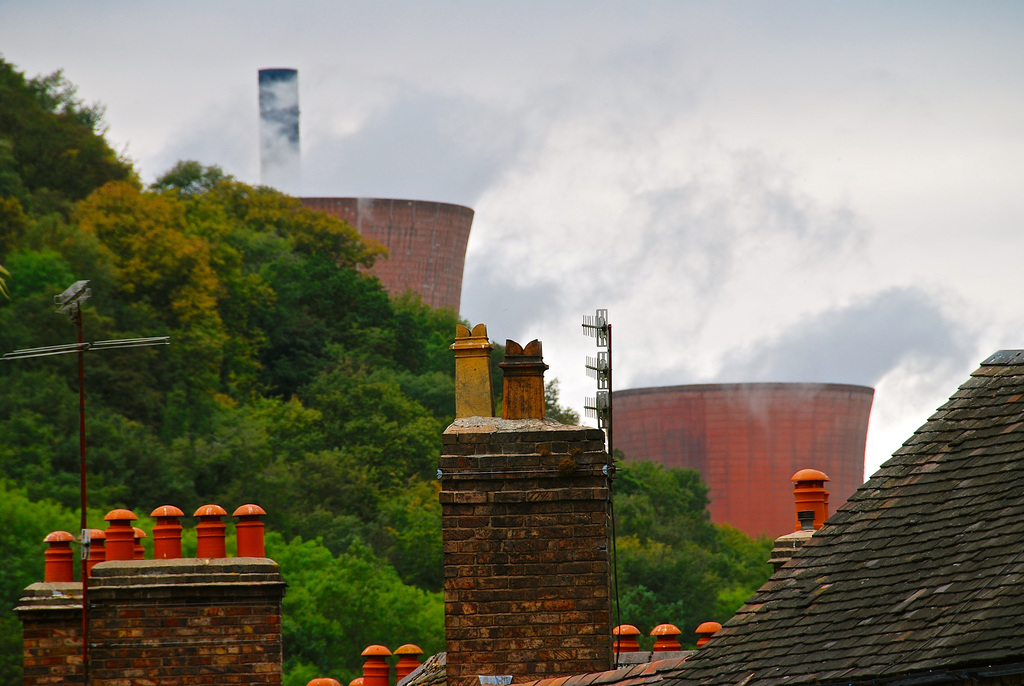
(674, 564)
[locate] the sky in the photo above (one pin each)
(790, 191)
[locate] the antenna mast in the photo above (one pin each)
(70, 303)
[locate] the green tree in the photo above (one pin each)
(337, 605)
(674, 564)
(57, 154)
(26, 524)
(553, 410)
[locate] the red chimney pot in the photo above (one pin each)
(705, 631)
(665, 638)
(249, 530)
(120, 535)
(210, 532)
(408, 660)
(97, 549)
(810, 494)
(59, 564)
(167, 532)
(376, 670)
(626, 641)
(139, 552)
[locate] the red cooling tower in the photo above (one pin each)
(426, 242)
(748, 439)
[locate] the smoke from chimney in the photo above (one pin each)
(279, 130)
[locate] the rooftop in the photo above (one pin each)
(919, 575)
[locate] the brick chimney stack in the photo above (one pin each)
(525, 507)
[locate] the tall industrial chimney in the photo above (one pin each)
(279, 130)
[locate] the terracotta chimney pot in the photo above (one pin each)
(408, 660)
(810, 494)
(210, 532)
(626, 641)
(523, 389)
(376, 670)
(324, 681)
(358, 681)
(120, 535)
(97, 549)
(167, 532)
(474, 396)
(59, 565)
(665, 638)
(249, 530)
(705, 631)
(138, 552)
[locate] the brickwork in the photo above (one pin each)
(747, 440)
(525, 518)
(426, 242)
(194, 621)
(51, 618)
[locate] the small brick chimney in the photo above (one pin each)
(214, 621)
(525, 508)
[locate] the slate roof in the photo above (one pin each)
(918, 578)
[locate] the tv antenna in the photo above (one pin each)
(70, 303)
(600, 406)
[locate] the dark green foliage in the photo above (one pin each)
(26, 522)
(54, 154)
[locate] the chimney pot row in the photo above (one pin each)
(122, 541)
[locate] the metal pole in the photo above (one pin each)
(81, 446)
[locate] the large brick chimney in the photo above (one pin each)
(526, 525)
